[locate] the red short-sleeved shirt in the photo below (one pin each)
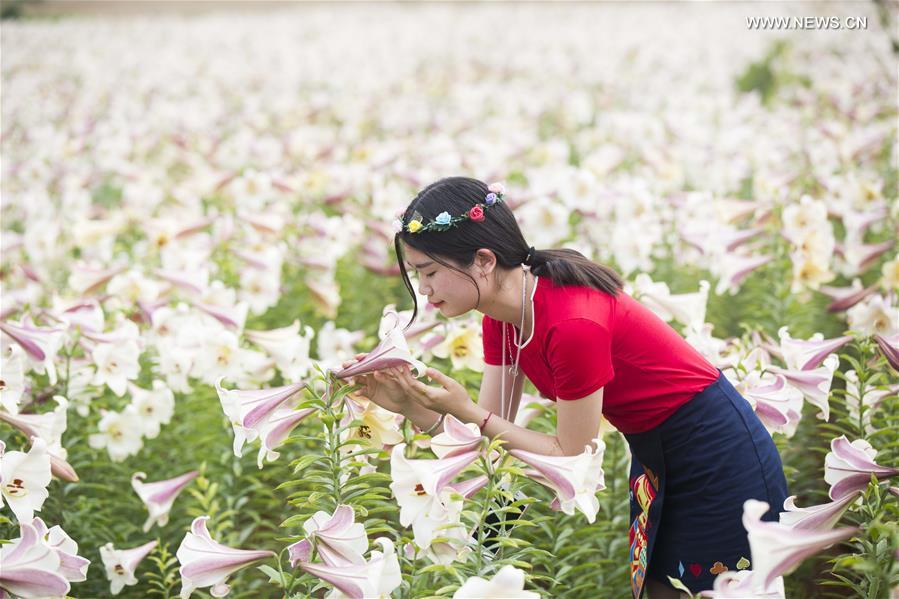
(585, 339)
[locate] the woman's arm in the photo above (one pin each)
(578, 420)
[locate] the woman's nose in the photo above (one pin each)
(422, 287)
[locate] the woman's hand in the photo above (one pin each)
(381, 387)
(450, 398)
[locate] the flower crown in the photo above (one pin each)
(444, 221)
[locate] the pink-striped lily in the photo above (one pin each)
(121, 564)
(379, 427)
(49, 426)
(814, 384)
(575, 479)
(809, 354)
(889, 347)
(231, 316)
(41, 344)
(287, 347)
(778, 405)
(12, 377)
(192, 282)
(85, 278)
(250, 411)
(848, 466)
(816, 517)
(71, 565)
(339, 539)
(275, 430)
(778, 549)
(24, 478)
(457, 438)
(427, 320)
(846, 297)
(859, 256)
(740, 584)
(735, 268)
(392, 351)
(85, 314)
(422, 489)
(375, 579)
(160, 495)
(207, 563)
(31, 567)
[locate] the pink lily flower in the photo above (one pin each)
(889, 347)
(86, 315)
(85, 279)
(207, 563)
(575, 479)
(122, 563)
(778, 549)
(806, 355)
(457, 438)
(49, 426)
(741, 584)
(778, 405)
(276, 429)
(182, 280)
(40, 343)
(251, 410)
(848, 466)
(160, 495)
(377, 578)
(817, 517)
(846, 297)
(859, 256)
(62, 470)
(392, 351)
(422, 489)
(339, 539)
(814, 384)
(230, 316)
(71, 565)
(31, 568)
(427, 320)
(735, 268)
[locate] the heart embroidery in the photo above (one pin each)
(695, 570)
(742, 564)
(718, 568)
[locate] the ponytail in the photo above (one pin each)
(570, 267)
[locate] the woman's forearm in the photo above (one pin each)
(516, 437)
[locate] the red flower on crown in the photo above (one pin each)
(476, 213)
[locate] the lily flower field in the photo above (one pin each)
(196, 236)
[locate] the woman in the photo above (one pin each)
(699, 451)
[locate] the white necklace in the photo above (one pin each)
(506, 405)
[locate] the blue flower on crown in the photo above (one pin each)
(443, 218)
(490, 200)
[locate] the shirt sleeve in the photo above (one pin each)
(491, 335)
(579, 354)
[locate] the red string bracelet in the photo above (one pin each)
(483, 424)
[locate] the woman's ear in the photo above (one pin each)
(485, 261)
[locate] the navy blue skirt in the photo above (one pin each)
(689, 478)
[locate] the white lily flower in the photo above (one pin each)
(154, 408)
(814, 384)
(120, 564)
(116, 363)
(379, 426)
(339, 539)
(874, 315)
(801, 354)
(41, 344)
(24, 478)
(119, 433)
(777, 404)
(507, 583)
(12, 377)
(462, 345)
(848, 466)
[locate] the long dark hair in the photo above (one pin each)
(498, 232)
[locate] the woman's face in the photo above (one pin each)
(452, 292)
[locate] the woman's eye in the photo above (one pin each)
(430, 274)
